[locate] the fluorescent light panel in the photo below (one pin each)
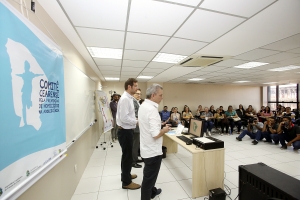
(280, 69)
(195, 79)
(241, 81)
(168, 58)
(111, 78)
(250, 65)
(270, 83)
(145, 77)
(105, 52)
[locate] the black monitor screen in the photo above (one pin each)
(195, 127)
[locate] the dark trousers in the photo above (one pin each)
(232, 123)
(136, 146)
(207, 125)
(126, 141)
(257, 136)
(285, 137)
(151, 169)
(269, 137)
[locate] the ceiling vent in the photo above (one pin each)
(202, 60)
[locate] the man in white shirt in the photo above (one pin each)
(151, 140)
(127, 122)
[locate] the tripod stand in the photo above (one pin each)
(105, 144)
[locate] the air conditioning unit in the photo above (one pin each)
(202, 60)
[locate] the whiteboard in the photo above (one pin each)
(79, 100)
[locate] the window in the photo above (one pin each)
(286, 95)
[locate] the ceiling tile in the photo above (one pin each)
(269, 66)
(95, 13)
(212, 68)
(139, 55)
(101, 38)
(186, 2)
(153, 70)
(159, 65)
(149, 16)
(285, 44)
(237, 7)
(272, 20)
(109, 68)
(278, 57)
(131, 69)
(297, 50)
(215, 24)
(256, 54)
(230, 63)
(172, 73)
(182, 46)
(232, 70)
(293, 61)
(107, 62)
(148, 73)
(133, 73)
(131, 63)
(136, 41)
(105, 73)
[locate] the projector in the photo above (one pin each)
(217, 194)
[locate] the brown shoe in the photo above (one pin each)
(132, 186)
(133, 176)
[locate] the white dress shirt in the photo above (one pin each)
(125, 113)
(150, 126)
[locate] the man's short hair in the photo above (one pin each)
(165, 106)
(152, 90)
(287, 117)
(139, 90)
(130, 82)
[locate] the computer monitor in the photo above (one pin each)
(195, 128)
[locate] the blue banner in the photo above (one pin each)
(32, 111)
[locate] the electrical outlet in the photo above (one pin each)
(75, 168)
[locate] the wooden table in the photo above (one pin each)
(208, 165)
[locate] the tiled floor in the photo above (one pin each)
(101, 179)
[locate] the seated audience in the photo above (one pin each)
(207, 121)
(250, 112)
(270, 131)
(229, 119)
(219, 120)
(254, 129)
(266, 113)
(186, 116)
(221, 110)
(199, 111)
(175, 117)
(262, 109)
(289, 113)
(289, 132)
(165, 116)
(241, 113)
(212, 109)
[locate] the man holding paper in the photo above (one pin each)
(151, 140)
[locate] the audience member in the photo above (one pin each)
(175, 117)
(254, 129)
(250, 112)
(270, 131)
(212, 109)
(219, 120)
(230, 114)
(127, 122)
(151, 140)
(199, 111)
(221, 110)
(289, 132)
(165, 116)
(136, 132)
(289, 113)
(113, 107)
(207, 121)
(186, 116)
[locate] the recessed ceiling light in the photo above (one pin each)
(168, 58)
(105, 52)
(241, 81)
(280, 69)
(195, 79)
(270, 83)
(111, 79)
(145, 77)
(250, 65)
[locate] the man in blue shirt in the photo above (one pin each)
(165, 115)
